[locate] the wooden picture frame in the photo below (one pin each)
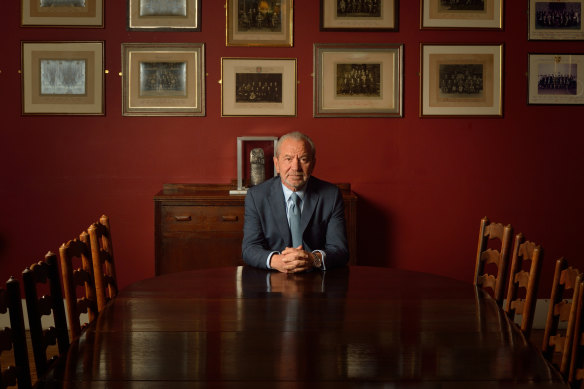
(358, 80)
(62, 78)
(473, 15)
(162, 15)
(246, 145)
(163, 79)
(62, 13)
(555, 79)
(555, 20)
(253, 23)
(340, 15)
(461, 80)
(258, 86)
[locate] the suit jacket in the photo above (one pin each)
(322, 222)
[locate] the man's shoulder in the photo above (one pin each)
(319, 185)
(265, 187)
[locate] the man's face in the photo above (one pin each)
(295, 163)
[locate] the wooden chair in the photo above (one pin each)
(35, 277)
(557, 344)
(576, 371)
(14, 338)
(492, 259)
(102, 256)
(523, 282)
(79, 279)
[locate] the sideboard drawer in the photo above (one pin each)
(201, 218)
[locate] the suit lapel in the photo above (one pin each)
(311, 198)
(278, 208)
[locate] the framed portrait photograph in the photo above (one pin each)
(556, 79)
(358, 80)
(556, 20)
(166, 79)
(62, 78)
(259, 23)
(64, 13)
(461, 80)
(258, 87)
(255, 161)
(468, 14)
(353, 15)
(164, 15)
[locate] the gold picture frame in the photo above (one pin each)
(258, 86)
(62, 78)
(461, 80)
(555, 20)
(358, 80)
(555, 79)
(163, 79)
(380, 15)
(162, 15)
(65, 13)
(473, 15)
(266, 25)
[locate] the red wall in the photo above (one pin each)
(423, 184)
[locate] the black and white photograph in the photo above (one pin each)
(62, 13)
(165, 79)
(358, 15)
(558, 15)
(556, 20)
(462, 14)
(358, 80)
(259, 23)
(359, 8)
(258, 88)
(63, 77)
(556, 79)
(164, 15)
(462, 5)
(461, 80)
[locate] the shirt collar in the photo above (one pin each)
(288, 193)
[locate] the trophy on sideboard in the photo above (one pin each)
(254, 154)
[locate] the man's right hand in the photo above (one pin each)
(291, 260)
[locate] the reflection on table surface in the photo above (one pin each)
(345, 327)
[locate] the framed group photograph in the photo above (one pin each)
(354, 15)
(164, 15)
(461, 80)
(255, 161)
(555, 20)
(358, 80)
(62, 78)
(62, 13)
(468, 14)
(258, 87)
(259, 23)
(163, 79)
(556, 79)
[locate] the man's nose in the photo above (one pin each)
(296, 163)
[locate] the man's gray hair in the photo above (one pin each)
(298, 136)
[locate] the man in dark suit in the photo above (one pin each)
(267, 235)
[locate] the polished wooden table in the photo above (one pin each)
(353, 327)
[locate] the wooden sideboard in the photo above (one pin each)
(201, 226)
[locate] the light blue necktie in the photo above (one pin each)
(295, 221)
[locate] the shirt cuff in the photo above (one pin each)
(270, 258)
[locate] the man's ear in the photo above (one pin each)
(276, 166)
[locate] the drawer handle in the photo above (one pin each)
(229, 218)
(182, 218)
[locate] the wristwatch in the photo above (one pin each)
(316, 260)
